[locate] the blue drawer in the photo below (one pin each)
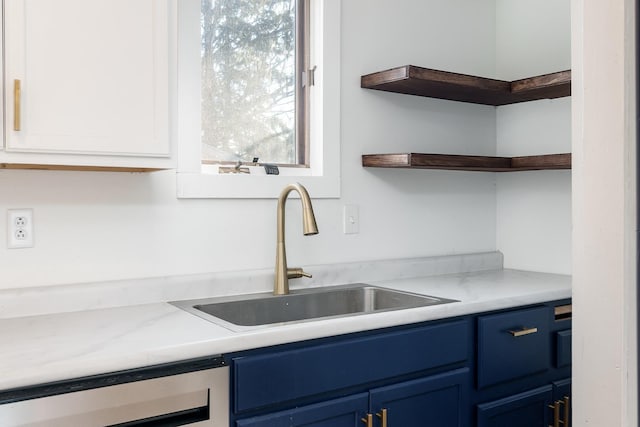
(563, 348)
(264, 380)
(528, 409)
(513, 345)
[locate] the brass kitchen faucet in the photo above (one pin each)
(309, 227)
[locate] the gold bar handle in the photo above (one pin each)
(567, 411)
(383, 417)
(17, 95)
(556, 413)
(368, 420)
(524, 331)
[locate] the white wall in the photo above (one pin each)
(533, 37)
(605, 374)
(102, 226)
(534, 208)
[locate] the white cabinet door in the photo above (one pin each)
(94, 77)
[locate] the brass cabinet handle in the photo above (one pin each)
(368, 420)
(524, 331)
(16, 104)
(567, 411)
(383, 417)
(556, 413)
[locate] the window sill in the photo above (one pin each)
(205, 186)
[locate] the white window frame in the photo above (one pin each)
(322, 178)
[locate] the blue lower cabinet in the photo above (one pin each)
(528, 409)
(343, 412)
(435, 401)
(562, 402)
(286, 375)
(512, 372)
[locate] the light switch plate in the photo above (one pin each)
(351, 219)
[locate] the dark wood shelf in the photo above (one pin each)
(467, 163)
(412, 80)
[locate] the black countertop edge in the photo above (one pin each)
(110, 379)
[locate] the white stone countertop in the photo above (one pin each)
(50, 347)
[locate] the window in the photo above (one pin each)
(243, 92)
(254, 67)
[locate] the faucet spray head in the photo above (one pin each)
(309, 226)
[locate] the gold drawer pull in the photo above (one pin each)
(523, 332)
(556, 413)
(562, 312)
(567, 411)
(368, 420)
(16, 104)
(383, 417)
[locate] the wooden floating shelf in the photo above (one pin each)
(467, 163)
(412, 80)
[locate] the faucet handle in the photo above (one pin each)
(296, 273)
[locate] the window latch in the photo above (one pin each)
(309, 77)
(234, 169)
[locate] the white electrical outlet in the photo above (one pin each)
(20, 228)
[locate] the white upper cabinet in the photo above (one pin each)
(95, 82)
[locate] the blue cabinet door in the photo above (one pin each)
(528, 409)
(562, 389)
(343, 412)
(435, 401)
(562, 398)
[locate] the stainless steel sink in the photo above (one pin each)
(259, 310)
